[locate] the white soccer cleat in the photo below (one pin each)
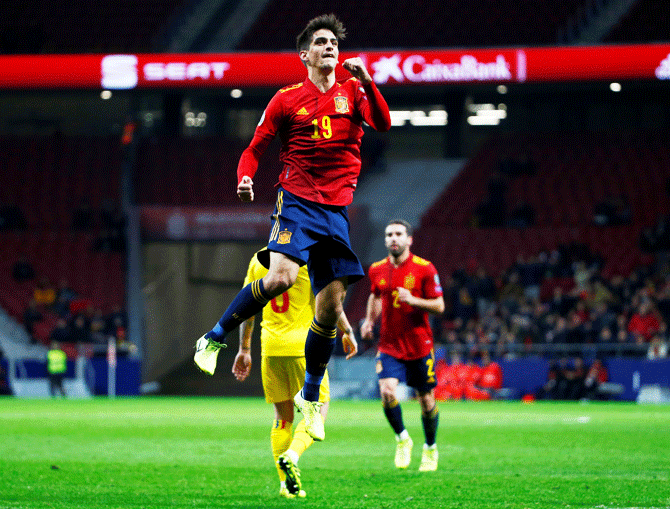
(206, 353)
(403, 452)
(313, 418)
(429, 458)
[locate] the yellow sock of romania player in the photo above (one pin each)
(301, 440)
(280, 438)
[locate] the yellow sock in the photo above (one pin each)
(301, 440)
(280, 438)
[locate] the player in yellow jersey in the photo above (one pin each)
(283, 330)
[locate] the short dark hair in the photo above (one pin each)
(327, 21)
(404, 223)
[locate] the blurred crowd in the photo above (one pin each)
(75, 318)
(556, 303)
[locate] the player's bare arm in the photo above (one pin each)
(372, 312)
(245, 189)
(356, 67)
(242, 362)
(434, 306)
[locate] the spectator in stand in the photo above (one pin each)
(625, 343)
(512, 292)
(98, 327)
(44, 293)
(31, 316)
(561, 301)
(658, 348)
(645, 322)
(61, 332)
(116, 321)
(559, 333)
(64, 296)
(562, 381)
(485, 291)
(606, 341)
(80, 329)
(602, 318)
(23, 270)
(465, 308)
(549, 389)
(596, 376)
(575, 375)
(576, 332)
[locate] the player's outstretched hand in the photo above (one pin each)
(242, 366)
(366, 329)
(245, 189)
(357, 69)
(349, 344)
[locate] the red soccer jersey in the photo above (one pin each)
(405, 331)
(321, 138)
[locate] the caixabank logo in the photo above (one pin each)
(417, 68)
(123, 72)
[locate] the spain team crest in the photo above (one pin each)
(409, 282)
(341, 104)
(284, 237)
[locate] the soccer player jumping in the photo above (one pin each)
(404, 290)
(319, 123)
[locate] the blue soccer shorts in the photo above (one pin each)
(418, 373)
(317, 235)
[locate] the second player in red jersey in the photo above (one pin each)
(405, 290)
(405, 330)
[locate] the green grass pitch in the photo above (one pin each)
(215, 452)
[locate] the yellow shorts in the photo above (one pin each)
(283, 377)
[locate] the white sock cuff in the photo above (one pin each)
(293, 455)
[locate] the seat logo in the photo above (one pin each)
(119, 72)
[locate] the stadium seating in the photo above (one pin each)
(634, 165)
(71, 26)
(199, 171)
(438, 23)
(647, 21)
(46, 179)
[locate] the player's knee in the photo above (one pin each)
(329, 312)
(278, 282)
(387, 394)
